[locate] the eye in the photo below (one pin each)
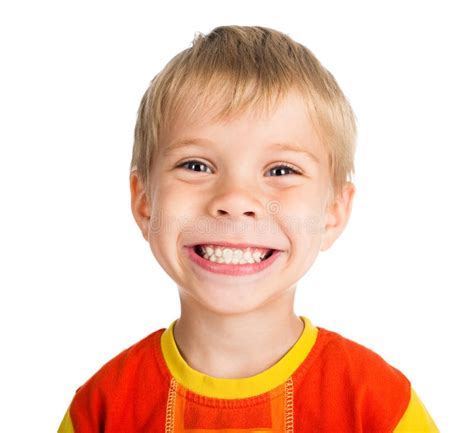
(196, 165)
(285, 167)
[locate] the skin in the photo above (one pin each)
(238, 326)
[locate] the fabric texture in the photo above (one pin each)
(324, 384)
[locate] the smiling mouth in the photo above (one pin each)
(229, 256)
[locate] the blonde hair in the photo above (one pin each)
(234, 68)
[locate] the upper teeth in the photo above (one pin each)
(235, 256)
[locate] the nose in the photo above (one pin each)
(235, 200)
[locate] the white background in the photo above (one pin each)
(78, 282)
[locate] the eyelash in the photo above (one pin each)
(279, 165)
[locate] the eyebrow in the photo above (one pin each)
(183, 143)
(288, 146)
(295, 148)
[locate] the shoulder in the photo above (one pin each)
(128, 363)
(362, 379)
(119, 381)
(362, 363)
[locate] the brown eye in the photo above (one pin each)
(280, 170)
(284, 168)
(194, 164)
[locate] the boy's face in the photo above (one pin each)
(236, 191)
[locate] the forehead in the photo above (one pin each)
(211, 109)
(285, 125)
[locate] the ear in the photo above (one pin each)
(338, 212)
(140, 203)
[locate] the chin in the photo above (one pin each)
(230, 305)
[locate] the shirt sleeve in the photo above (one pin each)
(66, 424)
(416, 418)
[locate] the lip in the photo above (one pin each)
(231, 245)
(229, 269)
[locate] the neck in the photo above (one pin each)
(237, 345)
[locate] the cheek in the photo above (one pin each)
(302, 215)
(173, 198)
(303, 229)
(173, 216)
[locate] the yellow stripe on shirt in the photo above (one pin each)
(66, 424)
(416, 418)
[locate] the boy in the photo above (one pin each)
(239, 177)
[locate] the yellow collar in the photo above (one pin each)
(216, 387)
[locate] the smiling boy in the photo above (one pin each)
(240, 175)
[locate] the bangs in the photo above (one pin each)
(220, 97)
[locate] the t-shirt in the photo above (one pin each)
(325, 383)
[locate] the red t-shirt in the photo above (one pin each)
(325, 383)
